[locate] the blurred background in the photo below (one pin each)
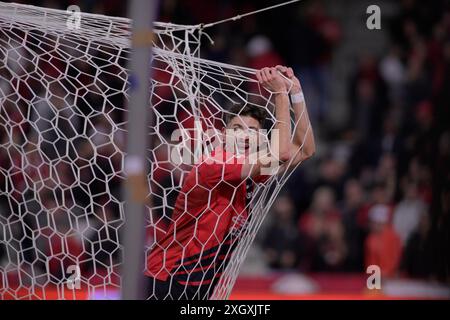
(378, 190)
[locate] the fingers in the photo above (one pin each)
(258, 76)
(273, 73)
(272, 78)
(266, 75)
(261, 76)
(270, 74)
(285, 70)
(290, 72)
(280, 68)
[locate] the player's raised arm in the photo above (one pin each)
(280, 143)
(303, 145)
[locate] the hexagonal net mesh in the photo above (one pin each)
(63, 117)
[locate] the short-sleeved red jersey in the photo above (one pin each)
(210, 209)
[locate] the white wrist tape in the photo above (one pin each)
(297, 98)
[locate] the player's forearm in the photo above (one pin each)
(303, 134)
(283, 126)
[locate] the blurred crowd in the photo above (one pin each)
(379, 193)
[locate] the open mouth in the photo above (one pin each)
(246, 143)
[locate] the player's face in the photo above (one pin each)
(243, 130)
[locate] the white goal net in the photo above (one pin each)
(63, 118)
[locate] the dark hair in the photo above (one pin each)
(255, 112)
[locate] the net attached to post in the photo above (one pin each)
(63, 117)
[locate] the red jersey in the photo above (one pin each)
(210, 210)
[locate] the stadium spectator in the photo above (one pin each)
(408, 212)
(383, 245)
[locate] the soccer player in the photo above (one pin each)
(212, 208)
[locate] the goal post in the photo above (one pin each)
(142, 13)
